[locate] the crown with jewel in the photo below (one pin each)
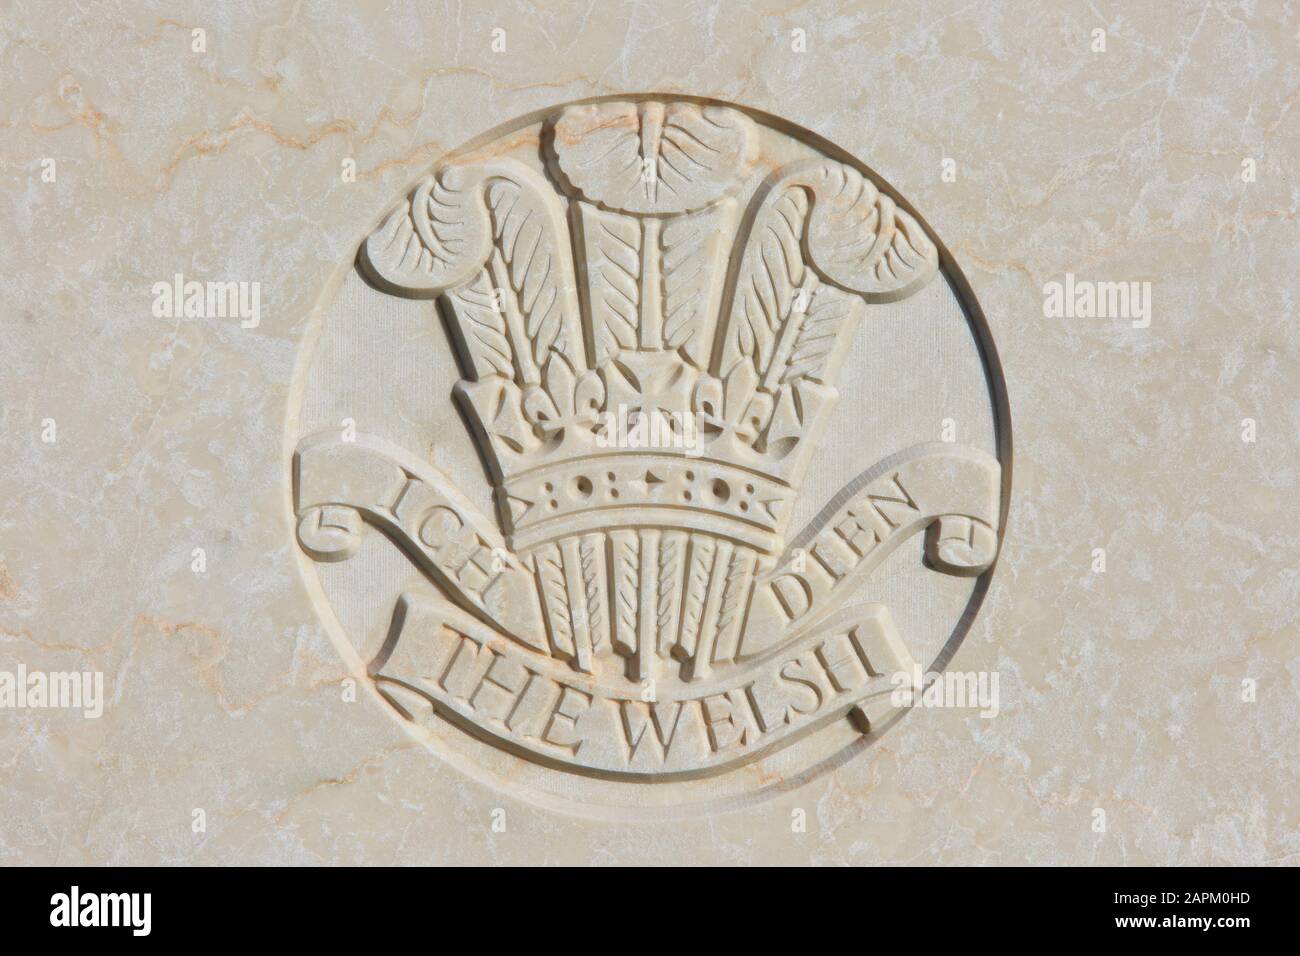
(652, 272)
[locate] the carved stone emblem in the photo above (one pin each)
(641, 311)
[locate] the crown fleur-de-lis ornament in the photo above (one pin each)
(650, 318)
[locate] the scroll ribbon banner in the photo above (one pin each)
(479, 659)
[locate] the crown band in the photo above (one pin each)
(645, 490)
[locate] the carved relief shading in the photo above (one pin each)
(643, 609)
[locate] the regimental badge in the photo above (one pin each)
(644, 308)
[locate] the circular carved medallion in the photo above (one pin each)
(648, 455)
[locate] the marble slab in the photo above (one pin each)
(322, 539)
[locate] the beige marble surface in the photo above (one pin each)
(1121, 691)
